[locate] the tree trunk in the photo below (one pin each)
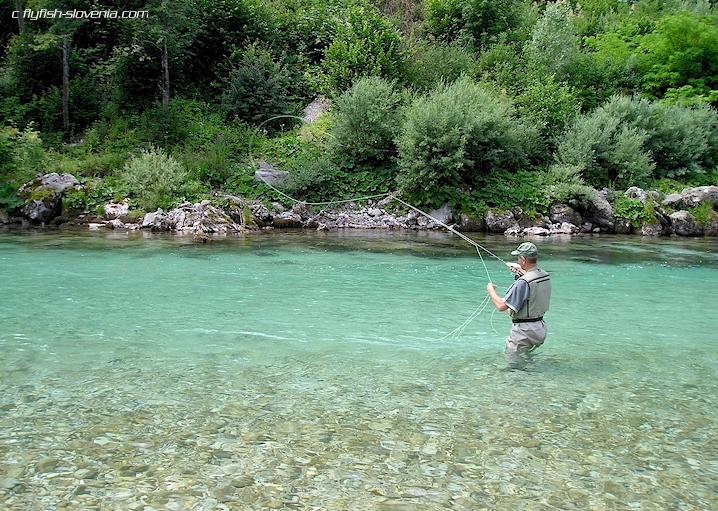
(165, 75)
(66, 85)
(20, 18)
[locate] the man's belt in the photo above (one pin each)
(527, 320)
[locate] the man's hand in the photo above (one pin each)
(515, 268)
(490, 287)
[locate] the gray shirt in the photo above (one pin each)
(517, 294)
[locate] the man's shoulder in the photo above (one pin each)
(534, 274)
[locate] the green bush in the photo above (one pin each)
(428, 65)
(155, 179)
(308, 176)
(564, 184)
(86, 164)
(634, 210)
(365, 45)
(552, 105)
(455, 135)
(258, 88)
(704, 213)
(610, 153)
(681, 51)
(21, 159)
(213, 165)
(366, 120)
(502, 65)
(506, 190)
(92, 197)
(472, 22)
(554, 44)
(630, 141)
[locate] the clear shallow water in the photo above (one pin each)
(314, 371)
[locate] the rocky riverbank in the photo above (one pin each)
(689, 213)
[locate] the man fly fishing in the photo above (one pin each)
(527, 300)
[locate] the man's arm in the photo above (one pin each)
(495, 298)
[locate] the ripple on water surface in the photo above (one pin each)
(318, 372)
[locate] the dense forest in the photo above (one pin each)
(476, 103)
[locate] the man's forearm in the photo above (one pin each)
(496, 299)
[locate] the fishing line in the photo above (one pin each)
(296, 201)
(458, 330)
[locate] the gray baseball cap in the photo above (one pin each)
(526, 249)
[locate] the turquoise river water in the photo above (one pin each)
(319, 371)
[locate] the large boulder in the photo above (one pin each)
(703, 194)
(691, 197)
(43, 196)
(599, 213)
(268, 174)
(288, 220)
(653, 228)
(198, 217)
(261, 214)
(445, 214)
(623, 226)
(635, 192)
(157, 221)
(467, 223)
(685, 224)
(499, 221)
(563, 228)
(115, 210)
(711, 230)
(563, 213)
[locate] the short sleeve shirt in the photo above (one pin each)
(517, 295)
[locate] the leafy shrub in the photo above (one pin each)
(553, 105)
(505, 190)
(634, 210)
(366, 120)
(473, 22)
(685, 141)
(630, 140)
(428, 65)
(455, 135)
(681, 51)
(704, 213)
(79, 164)
(95, 194)
(21, 154)
(609, 152)
(502, 65)
(21, 158)
(366, 45)
(155, 179)
(563, 184)
(213, 165)
(307, 176)
(554, 44)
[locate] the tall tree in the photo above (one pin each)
(157, 44)
(20, 15)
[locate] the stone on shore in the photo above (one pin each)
(268, 174)
(685, 224)
(43, 196)
(499, 221)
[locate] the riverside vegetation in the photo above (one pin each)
(484, 106)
